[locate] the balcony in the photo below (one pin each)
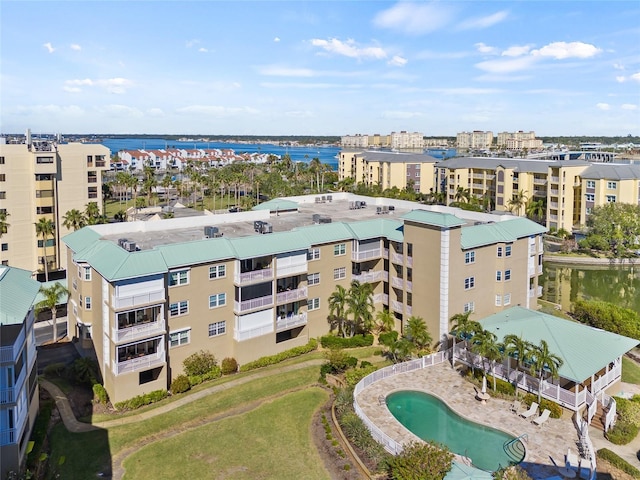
(138, 299)
(539, 181)
(397, 258)
(291, 295)
(292, 321)
(366, 255)
(10, 353)
(371, 276)
(397, 282)
(553, 204)
(381, 298)
(385, 253)
(555, 179)
(10, 394)
(144, 362)
(138, 332)
(408, 286)
(409, 261)
(254, 332)
(254, 276)
(246, 305)
(408, 310)
(554, 192)
(397, 306)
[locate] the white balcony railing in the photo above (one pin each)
(381, 298)
(397, 258)
(285, 323)
(385, 253)
(291, 295)
(371, 276)
(255, 276)
(138, 299)
(10, 395)
(138, 331)
(408, 310)
(254, 332)
(397, 282)
(408, 286)
(9, 353)
(259, 302)
(8, 436)
(144, 362)
(409, 261)
(295, 269)
(366, 255)
(397, 306)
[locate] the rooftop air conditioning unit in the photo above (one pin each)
(257, 225)
(122, 241)
(316, 218)
(210, 232)
(129, 246)
(325, 219)
(266, 228)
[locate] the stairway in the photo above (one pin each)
(598, 418)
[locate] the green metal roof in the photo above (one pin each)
(377, 228)
(17, 294)
(437, 219)
(192, 253)
(272, 243)
(277, 204)
(500, 232)
(81, 239)
(325, 233)
(569, 340)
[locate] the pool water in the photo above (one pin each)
(431, 419)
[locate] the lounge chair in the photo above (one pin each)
(533, 409)
(515, 407)
(542, 418)
(571, 460)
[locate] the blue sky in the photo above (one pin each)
(320, 68)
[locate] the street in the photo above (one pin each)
(44, 330)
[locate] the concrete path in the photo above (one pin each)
(64, 407)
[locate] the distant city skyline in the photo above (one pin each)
(320, 68)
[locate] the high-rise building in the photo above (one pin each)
(518, 140)
(407, 140)
(474, 140)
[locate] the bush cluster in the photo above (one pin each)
(229, 366)
(337, 362)
(100, 393)
(212, 374)
(608, 316)
(554, 408)
(180, 384)
(628, 422)
(54, 370)
(421, 461)
(514, 472)
(141, 400)
(199, 363)
(332, 341)
(280, 357)
(618, 462)
(353, 376)
(503, 387)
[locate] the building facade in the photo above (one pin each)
(407, 140)
(18, 373)
(147, 303)
(45, 179)
(474, 140)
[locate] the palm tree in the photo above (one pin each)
(360, 306)
(517, 202)
(4, 225)
(544, 363)
(92, 213)
(535, 209)
(462, 195)
(486, 345)
(315, 166)
(417, 333)
(149, 182)
(45, 228)
(74, 219)
(166, 183)
(385, 321)
(515, 346)
(337, 309)
(463, 328)
(52, 297)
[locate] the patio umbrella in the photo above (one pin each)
(484, 384)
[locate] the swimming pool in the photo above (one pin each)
(430, 418)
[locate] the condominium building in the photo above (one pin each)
(18, 374)
(474, 140)
(388, 169)
(608, 183)
(45, 179)
(147, 295)
(355, 141)
(407, 140)
(518, 140)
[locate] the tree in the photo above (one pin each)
(53, 296)
(385, 321)
(74, 219)
(544, 363)
(417, 333)
(360, 306)
(166, 184)
(518, 348)
(45, 228)
(462, 195)
(619, 224)
(536, 209)
(92, 213)
(463, 328)
(337, 308)
(486, 345)
(517, 202)
(420, 461)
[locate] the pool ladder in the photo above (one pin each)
(515, 448)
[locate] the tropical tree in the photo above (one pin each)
(463, 328)
(166, 184)
(535, 209)
(337, 309)
(92, 213)
(544, 363)
(149, 182)
(518, 348)
(462, 195)
(417, 333)
(360, 307)
(74, 219)
(45, 228)
(53, 296)
(485, 344)
(385, 321)
(517, 202)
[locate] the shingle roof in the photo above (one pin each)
(433, 218)
(569, 340)
(17, 294)
(500, 232)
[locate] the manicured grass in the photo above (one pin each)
(630, 371)
(272, 441)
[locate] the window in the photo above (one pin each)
(591, 184)
(590, 197)
(498, 275)
(313, 304)
(612, 185)
(217, 300)
(409, 249)
(5, 247)
(1, 160)
(50, 242)
(87, 303)
(3, 195)
(313, 279)
(468, 307)
(507, 251)
(217, 328)
(40, 177)
(179, 277)
(340, 249)
(44, 210)
(506, 300)
(499, 252)
(469, 283)
(611, 199)
(44, 159)
(179, 308)
(498, 300)
(44, 193)
(469, 257)
(339, 273)
(313, 254)
(507, 275)
(217, 271)
(181, 337)
(3, 177)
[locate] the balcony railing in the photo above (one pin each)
(371, 276)
(8, 436)
(254, 332)
(408, 286)
(553, 204)
(295, 269)
(408, 310)
(397, 258)
(397, 306)
(138, 299)
(9, 354)
(554, 191)
(555, 179)
(385, 253)
(286, 323)
(138, 331)
(409, 261)
(254, 276)
(366, 255)
(381, 298)
(10, 395)
(397, 282)
(259, 302)
(144, 362)
(291, 295)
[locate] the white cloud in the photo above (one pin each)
(429, 55)
(629, 106)
(562, 50)
(192, 43)
(603, 106)
(636, 77)
(112, 85)
(486, 49)
(516, 51)
(276, 71)
(618, 66)
(203, 50)
(305, 85)
(72, 89)
(620, 79)
(79, 82)
(464, 91)
(49, 47)
(155, 112)
(397, 61)
(399, 114)
(349, 48)
(484, 22)
(277, 39)
(76, 47)
(506, 65)
(125, 111)
(299, 114)
(414, 18)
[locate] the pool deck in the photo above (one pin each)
(552, 439)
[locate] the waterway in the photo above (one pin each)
(564, 284)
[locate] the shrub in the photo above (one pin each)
(514, 472)
(421, 461)
(608, 316)
(100, 393)
(141, 400)
(618, 462)
(54, 370)
(622, 433)
(84, 371)
(280, 357)
(199, 363)
(554, 408)
(229, 366)
(352, 377)
(332, 341)
(337, 362)
(180, 384)
(628, 410)
(365, 364)
(388, 338)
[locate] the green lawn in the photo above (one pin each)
(272, 441)
(630, 371)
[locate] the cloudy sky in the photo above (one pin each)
(320, 68)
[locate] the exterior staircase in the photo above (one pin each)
(598, 418)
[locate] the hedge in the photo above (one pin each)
(141, 400)
(280, 357)
(608, 316)
(618, 462)
(212, 374)
(554, 408)
(332, 341)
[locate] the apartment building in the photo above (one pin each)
(45, 179)
(606, 183)
(388, 169)
(147, 295)
(518, 141)
(18, 373)
(407, 140)
(474, 140)
(355, 141)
